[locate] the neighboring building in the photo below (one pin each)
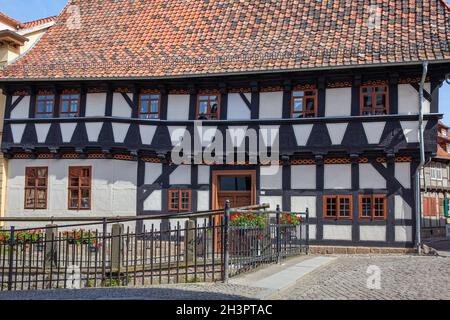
(90, 128)
(16, 38)
(435, 184)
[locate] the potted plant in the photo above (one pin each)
(83, 237)
(247, 233)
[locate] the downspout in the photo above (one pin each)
(422, 159)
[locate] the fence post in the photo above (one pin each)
(11, 258)
(278, 234)
(51, 253)
(105, 230)
(226, 252)
(116, 243)
(190, 241)
(307, 231)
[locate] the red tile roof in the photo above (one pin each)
(11, 21)
(166, 38)
(39, 22)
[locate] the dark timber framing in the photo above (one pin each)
(318, 148)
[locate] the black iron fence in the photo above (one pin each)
(199, 248)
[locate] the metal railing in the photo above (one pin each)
(208, 246)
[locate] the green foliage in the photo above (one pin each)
(81, 236)
(290, 219)
(22, 237)
(248, 220)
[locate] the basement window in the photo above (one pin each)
(337, 207)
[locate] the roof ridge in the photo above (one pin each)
(446, 4)
(12, 20)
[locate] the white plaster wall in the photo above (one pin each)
(176, 133)
(303, 177)
(67, 130)
(302, 132)
(154, 201)
(42, 131)
(22, 110)
(203, 174)
(300, 203)
(312, 231)
(370, 178)
(120, 131)
(202, 200)
(120, 106)
(207, 134)
(273, 201)
(147, 133)
(402, 209)
(152, 172)
(178, 107)
(372, 233)
(374, 131)
(271, 177)
(337, 132)
(271, 105)
(411, 130)
(269, 135)
(17, 132)
(403, 174)
(237, 135)
(181, 175)
(338, 102)
(113, 187)
(338, 176)
(95, 104)
(93, 130)
(237, 109)
(403, 234)
(408, 99)
(334, 232)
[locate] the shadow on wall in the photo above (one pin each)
(121, 294)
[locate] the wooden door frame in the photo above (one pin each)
(237, 173)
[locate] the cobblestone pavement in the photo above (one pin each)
(209, 291)
(402, 278)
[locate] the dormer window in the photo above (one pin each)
(374, 100)
(149, 106)
(44, 106)
(304, 104)
(70, 105)
(208, 107)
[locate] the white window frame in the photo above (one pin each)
(436, 174)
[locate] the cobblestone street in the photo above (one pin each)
(402, 277)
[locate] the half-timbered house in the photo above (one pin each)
(96, 108)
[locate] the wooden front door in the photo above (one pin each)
(237, 186)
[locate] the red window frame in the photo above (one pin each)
(70, 98)
(180, 200)
(45, 98)
(374, 212)
(373, 93)
(149, 114)
(338, 203)
(305, 113)
(82, 174)
(32, 175)
(208, 115)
